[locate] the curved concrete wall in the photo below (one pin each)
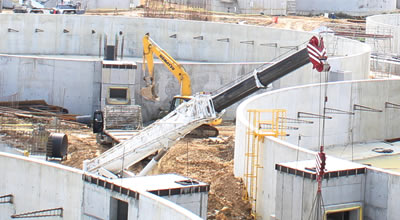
(246, 44)
(235, 43)
(341, 130)
(356, 8)
(47, 185)
(386, 25)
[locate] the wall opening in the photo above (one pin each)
(118, 209)
(118, 95)
(353, 213)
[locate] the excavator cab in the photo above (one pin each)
(203, 131)
(177, 100)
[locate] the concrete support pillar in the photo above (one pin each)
(1, 6)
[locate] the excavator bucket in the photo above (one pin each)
(149, 93)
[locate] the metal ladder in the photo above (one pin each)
(257, 130)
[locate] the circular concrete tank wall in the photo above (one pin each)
(342, 129)
(57, 43)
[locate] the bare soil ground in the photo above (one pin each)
(210, 161)
(206, 160)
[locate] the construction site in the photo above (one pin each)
(209, 109)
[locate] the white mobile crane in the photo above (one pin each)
(162, 134)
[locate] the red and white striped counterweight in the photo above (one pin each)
(317, 52)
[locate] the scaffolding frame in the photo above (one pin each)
(275, 119)
(189, 10)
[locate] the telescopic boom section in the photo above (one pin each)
(151, 48)
(266, 76)
(190, 115)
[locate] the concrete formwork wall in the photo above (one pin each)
(353, 7)
(87, 33)
(38, 186)
(342, 129)
(366, 126)
(273, 151)
(47, 185)
(381, 195)
(74, 84)
(384, 25)
(111, 77)
(295, 195)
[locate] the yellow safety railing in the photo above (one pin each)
(262, 123)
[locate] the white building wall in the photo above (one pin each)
(38, 185)
(352, 7)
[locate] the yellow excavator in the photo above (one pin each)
(150, 48)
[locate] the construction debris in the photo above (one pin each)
(207, 160)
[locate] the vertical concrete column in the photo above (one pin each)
(1, 6)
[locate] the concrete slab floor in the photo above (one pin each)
(364, 154)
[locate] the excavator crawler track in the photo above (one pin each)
(203, 131)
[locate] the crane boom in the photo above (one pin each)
(266, 76)
(150, 48)
(187, 116)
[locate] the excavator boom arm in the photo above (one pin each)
(151, 48)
